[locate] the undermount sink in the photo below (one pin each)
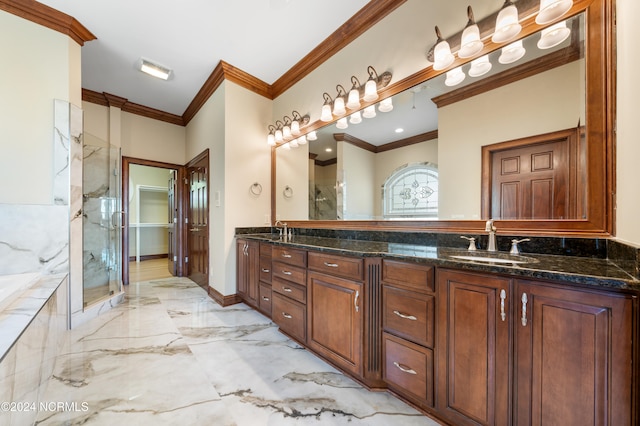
(493, 258)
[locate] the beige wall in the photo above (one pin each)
(44, 65)
(514, 111)
(232, 126)
(357, 181)
(293, 168)
(628, 146)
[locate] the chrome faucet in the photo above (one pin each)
(284, 227)
(491, 229)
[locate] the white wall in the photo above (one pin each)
(628, 146)
(150, 139)
(38, 66)
(293, 167)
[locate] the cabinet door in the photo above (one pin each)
(473, 348)
(573, 357)
(248, 270)
(335, 320)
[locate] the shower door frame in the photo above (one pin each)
(179, 200)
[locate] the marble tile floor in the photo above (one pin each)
(170, 355)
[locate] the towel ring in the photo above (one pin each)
(287, 192)
(256, 188)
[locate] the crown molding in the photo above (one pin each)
(109, 100)
(400, 143)
(48, 17)
(359, 23)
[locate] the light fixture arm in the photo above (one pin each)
(472, 20)
(302, 120)
(328, 100)
(341, 91)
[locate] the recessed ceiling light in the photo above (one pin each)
(154, 69)
(328, 150)
(399, 130)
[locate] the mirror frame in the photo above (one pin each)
(600, 116)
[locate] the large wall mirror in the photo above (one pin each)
(432, 174)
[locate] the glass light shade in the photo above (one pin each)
(386, 105)
(355, 118)
(278, 136)
(293, 143)
(507, 25)
(353, 102)
(312, 136)
(271, 139)
(442, 56)
(454, 77)
(326, 113)
(286, 145)
(470, 44)
(370, 90)
(554, 35)
(512, 53)
(286, 132)
(295, 128)
(550, 10)
(480, 66)
(338, 106)
(369, 112)
(302, 140)
(342, 123)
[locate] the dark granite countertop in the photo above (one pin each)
(596, 272)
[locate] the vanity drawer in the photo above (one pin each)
(265, 269)
(290, 316)
(408, 368)
(265, 250)
(289, 289)
(409, 314)
(347, 267)
(264, 298)
(288, 255)
(289, 273)
(411, 275)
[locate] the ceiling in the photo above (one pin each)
(264, 38)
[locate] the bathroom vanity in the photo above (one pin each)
(472, 338)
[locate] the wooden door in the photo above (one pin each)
(539, 177)
(573, 357)
(172, 214)
(198, 219)
(473, 348)
(335, 320)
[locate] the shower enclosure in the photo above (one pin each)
(102, 220)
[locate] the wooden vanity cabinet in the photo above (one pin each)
(247, 272)
(408, 323)
(532, 353)
(289, 291)
(335, 314)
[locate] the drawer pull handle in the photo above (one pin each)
(331, 265)
(287, 289)
(265, 298)
(285, 255)
(265, 270)
(287, 272)
(286, 315)
(524, 309)
(409, 317)
(404, 368)
(503, 297)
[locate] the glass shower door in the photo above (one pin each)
(102, 226)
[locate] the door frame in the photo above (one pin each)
(179, 196)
